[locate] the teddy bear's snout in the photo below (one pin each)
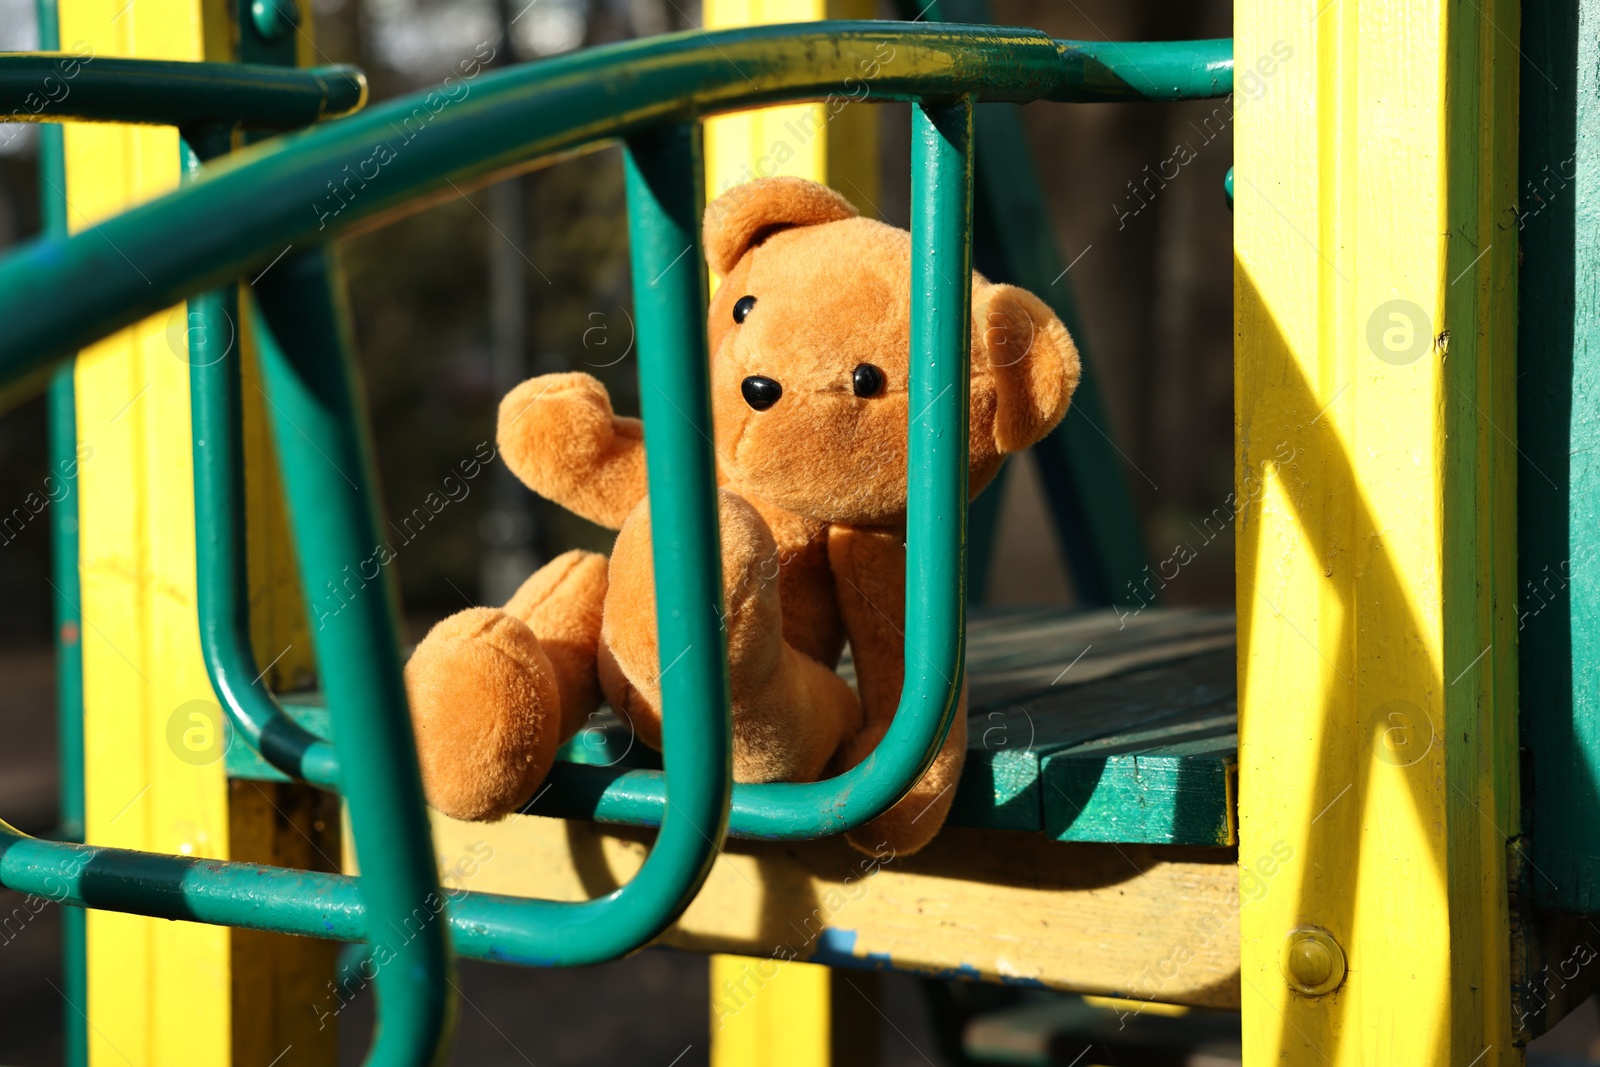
(760, 393)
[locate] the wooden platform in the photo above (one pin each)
(1086, 851)
(1100, 726)
(1142, 922)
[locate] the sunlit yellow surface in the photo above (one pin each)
(1375, 157)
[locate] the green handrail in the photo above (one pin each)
(66, 585)
(222, 585)
(380, 159)
(169, 93)
(268, 196)
(332, 509)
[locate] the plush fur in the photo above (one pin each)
(812, 523)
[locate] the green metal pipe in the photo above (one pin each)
(319, 428)
(66, 586)
(58, 87)
(308, 187)
(222, 583)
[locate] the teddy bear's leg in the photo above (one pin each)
(790, 712)
(562, 604)
(920, 814)
(494, 691)
(869, 567)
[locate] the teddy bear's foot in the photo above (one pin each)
(912, 823)
(790, 712)
(493, 692)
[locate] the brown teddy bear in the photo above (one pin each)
(809, 339)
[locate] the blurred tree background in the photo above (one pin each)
(456, 303)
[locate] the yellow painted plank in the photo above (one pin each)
(1141, 922)
(769, 1013)
(159, 992)
(834, 141)
(1375, 368)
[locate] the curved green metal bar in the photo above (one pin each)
(304, 332)
(216, 357)
(62, 86)
(310, 186)
(66, 586)
(936, 535)
(333, 513)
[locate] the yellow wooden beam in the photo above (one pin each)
(835, 142)
(1375, 265)
(746, 1032)
(158, 991)
(1146, 923)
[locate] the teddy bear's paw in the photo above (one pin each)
(558, 434)
(553, 422)
(486, 710)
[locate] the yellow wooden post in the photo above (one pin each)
(769, 1013)
(785, 1021)
(1375, 271)
(835, 141)
(158, 991)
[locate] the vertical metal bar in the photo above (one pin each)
(65, 582)
(666, 192)
(941, 343)
(221, 580)
(324, 449)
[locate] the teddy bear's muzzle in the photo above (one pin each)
(760, 393)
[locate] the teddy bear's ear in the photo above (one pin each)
(1032, 360)
(743, 215)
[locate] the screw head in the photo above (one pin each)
(274, 19)
(1313, 962)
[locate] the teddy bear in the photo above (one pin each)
(809, 345)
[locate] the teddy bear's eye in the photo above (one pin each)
(867, 379)
(742, 308)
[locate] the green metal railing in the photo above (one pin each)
(237, 214)
(65, 584)
(159, 93)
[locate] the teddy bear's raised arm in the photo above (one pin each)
(559, 435)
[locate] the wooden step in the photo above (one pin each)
(1106, 726)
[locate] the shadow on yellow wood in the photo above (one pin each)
(1374, 378)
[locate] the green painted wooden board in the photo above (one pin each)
(1558, 431)
(1135, 743)
(1087, 726)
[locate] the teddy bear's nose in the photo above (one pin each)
(760, 393)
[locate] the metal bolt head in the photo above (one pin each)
(1313, 962)
(274, 19)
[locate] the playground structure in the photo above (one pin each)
(1353, 862)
